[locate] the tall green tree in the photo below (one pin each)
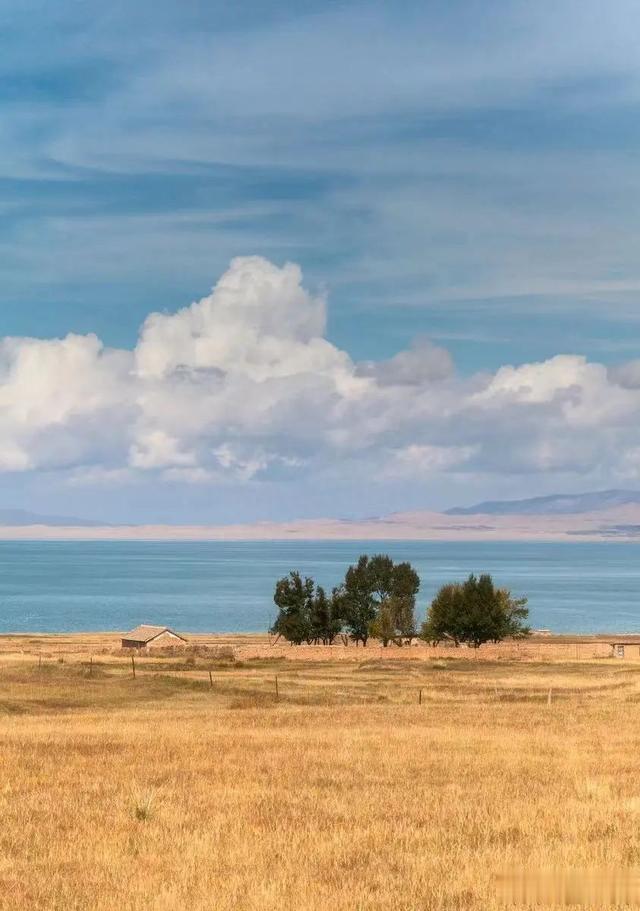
(445, 616)
(325, 624)
(475, 612)
(482, 617)
(378, 598)
(294, 598)
(355, 602)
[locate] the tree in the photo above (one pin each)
(324, 623)
(394, 621)
(355, 601)
(383, 626)
(483, 615)
(515, 612)
(405, 614)
(378, 598)
(444, 617)
(294, 597)
(475, 612)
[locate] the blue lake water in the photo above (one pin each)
(228, 587)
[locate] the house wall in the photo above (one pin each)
(164, 639)
(131, 643)
(625, 650)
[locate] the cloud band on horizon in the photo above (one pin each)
(244, 385)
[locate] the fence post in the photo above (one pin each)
(549, 697)
(210, 681)
(277, 691)
(133, 666)
(91, 666)
(420, 696)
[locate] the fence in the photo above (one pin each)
(532, 650)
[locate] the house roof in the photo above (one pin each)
(146, 633)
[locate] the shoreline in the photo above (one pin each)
(255, 635)
(620, 523)
(68, 536)
(210, 650)
(264, 638)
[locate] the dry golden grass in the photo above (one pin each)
(164, 793)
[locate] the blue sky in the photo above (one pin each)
(464, 172)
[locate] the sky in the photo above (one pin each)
(276, 260)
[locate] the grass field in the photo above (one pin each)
(345, 792)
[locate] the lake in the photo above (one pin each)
(58, 586)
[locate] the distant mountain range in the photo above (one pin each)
(556, 504)
(596, 516)
(21, 517)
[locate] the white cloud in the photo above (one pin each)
(50, 382)
(258, 321)
(244, 385)
(416, 459)
(537, 383)
(626, 375)
(423, 363)
(244, 468)
(156, 449)
(61, 401)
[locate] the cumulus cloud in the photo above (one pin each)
(539, 382)
(258, 321)
(421, 364)
(626, 375)
(62, 401)
(244, 384)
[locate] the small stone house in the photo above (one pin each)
(152, 637)
(624, 648)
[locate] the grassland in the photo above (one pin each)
(345, 792)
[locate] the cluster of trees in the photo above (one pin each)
(474, 612)
(378, 599)
(305, 612)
